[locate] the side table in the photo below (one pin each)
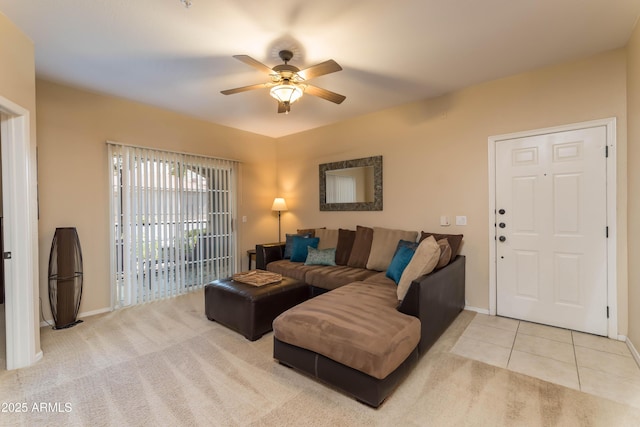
(251, 253)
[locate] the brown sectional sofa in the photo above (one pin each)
(355, 334)
(321, 278)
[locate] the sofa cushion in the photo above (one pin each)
(356, 325)
(384, 246)
(445, 253)
(300, 244)
(328, 238)
(345, 244)
(321, 256)
(333, 277)
(455, 241)
(361, 247)
(423, 262)
(380, 279)
(400, 260)
(295, 270)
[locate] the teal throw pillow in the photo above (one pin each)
(299, 250)
(321, 256)
(404, 253)
(288, 247)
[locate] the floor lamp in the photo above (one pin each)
(279, 205)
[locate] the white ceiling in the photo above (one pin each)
(392, 52)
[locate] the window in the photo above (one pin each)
(171, 221)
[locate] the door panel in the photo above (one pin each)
(524, 196)
(527, 268)
(567, 273)
(551, 257)
(566, 204)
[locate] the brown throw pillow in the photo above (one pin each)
(311, 231)
(361, 247)
(455, 241)
(346, 238)
(445, 253)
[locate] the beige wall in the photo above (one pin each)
(435, 155)
(633, 112)
(17, 84)
(435, 161)
(72, 166)
(17, 79)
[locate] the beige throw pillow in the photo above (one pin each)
(423, 262)
(328, 238)
(384, 244)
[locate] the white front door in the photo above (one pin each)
(551, 219)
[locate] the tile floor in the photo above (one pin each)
(589, 363)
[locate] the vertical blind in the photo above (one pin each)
(171, 222)
(341, 189)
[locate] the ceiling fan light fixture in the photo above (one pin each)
(286, 92)
(289, 83)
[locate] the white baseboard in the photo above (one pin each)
(633, 351)
(94, 312)
(49, 322)
(476, 309)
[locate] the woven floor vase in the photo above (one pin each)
(65, 277)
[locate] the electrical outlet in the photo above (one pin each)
(461, 220)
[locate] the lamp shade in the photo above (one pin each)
(286, 92)
(279, 204)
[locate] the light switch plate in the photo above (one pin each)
(444, 221)
(461, 220)
(244, 218)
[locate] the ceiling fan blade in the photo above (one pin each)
(253, 63)
(325, 94)
(321, 69)
(244, 88)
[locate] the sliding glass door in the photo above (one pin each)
(172, 222)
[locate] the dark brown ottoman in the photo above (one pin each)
(248, 309)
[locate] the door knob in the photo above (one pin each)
(501, 211)
(502, 238)
(502, 225)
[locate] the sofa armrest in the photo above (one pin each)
(267, 253)
(436, 299)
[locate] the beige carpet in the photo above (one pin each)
(166, 364)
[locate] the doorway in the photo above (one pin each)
(20, 236)
(551, 227)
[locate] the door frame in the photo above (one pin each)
(612, 285)
(21, 235)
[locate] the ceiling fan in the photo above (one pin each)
(288, 83)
